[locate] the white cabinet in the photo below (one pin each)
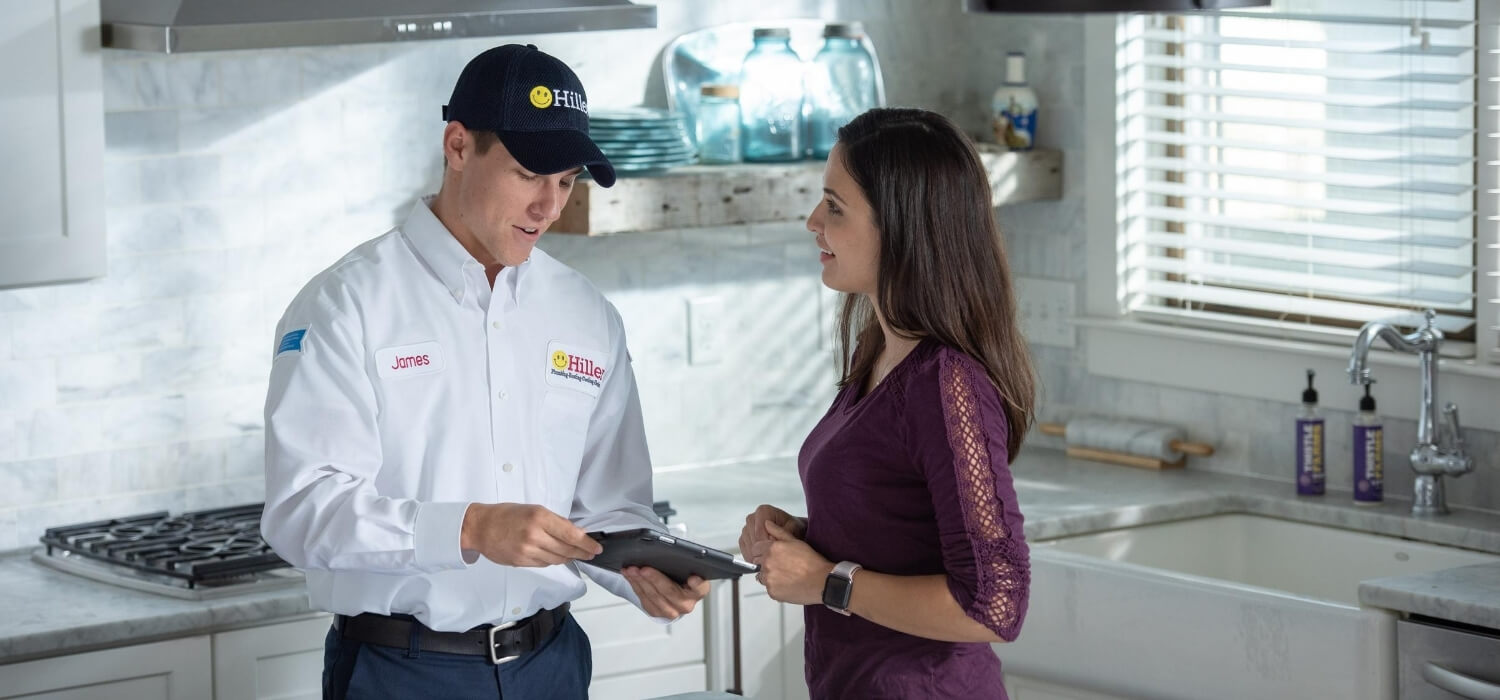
(636, 657)
(52, 211)
(770, 644)
(283, 661)
(178, 669)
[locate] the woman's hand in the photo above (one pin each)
(789, 569)
(755, 527)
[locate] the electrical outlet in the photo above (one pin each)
(1046, 310)
(705, 330)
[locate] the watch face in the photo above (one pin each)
(836, 592)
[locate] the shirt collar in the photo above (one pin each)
(450, 262)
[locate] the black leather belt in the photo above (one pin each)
(500, 643)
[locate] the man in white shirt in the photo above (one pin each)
(451, 411)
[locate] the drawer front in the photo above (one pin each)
(624, 640)
(1465, 655)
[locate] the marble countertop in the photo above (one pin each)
(1469, 594)
(50, 612)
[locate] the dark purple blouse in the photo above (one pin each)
(914, 479)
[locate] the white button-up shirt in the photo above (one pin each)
(404, 388)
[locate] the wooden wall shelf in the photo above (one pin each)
(722, 195)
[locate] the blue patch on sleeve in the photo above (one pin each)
(291, 342)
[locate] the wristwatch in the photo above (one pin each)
(839, 587)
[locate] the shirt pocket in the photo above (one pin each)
(564, 431)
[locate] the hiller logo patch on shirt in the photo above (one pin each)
(571, 368)
(409, 360)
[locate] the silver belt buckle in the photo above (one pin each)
(497, 660)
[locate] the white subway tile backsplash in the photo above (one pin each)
(228, 319)
(189, 178)
(177, 81)
(65, 331)
(15, 434)
(655, 325)
(781, 231)
(28, 481)
(120, 93)
(259, 78)
(153, 84)
(244, 456)
(226, 412)
(143, 133)
(345, 71)
(122, 182)
(226, 493)
(227, 224)
(147, 229)
(90, 475)
(99, 375)
(76, 428)
(171, 370)
(172, 275)
(10, 535)
(244, 129)
(28, 385)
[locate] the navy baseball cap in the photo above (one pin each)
(535, 104)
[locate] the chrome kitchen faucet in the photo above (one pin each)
(1430, 459)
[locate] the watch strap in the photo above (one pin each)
(844, 570)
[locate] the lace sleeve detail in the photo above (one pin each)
(1000, 554)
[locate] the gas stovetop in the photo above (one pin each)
(203, 554)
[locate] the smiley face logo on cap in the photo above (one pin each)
(541, 97)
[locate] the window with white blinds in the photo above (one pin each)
(1302, 169)
(1488, 304)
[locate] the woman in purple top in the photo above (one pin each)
(911, 559)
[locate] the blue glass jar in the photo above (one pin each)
(718, 127)
(771, 98)
(840, 85)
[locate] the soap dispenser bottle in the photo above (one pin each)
(1013, 107)
(1369, 446)
(1309, 443)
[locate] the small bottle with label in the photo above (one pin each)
(1310, 475)
(1369, 448)
(1013, 107)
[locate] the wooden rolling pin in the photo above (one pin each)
(1133, 444)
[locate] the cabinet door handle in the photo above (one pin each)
(1459, 684)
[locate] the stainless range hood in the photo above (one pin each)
(174, 26)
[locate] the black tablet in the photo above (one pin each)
(673, 556)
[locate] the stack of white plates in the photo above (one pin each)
(639, 140)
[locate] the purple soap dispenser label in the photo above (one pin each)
(1310, 457)
(1369, 469)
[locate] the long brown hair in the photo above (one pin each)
(943, 272)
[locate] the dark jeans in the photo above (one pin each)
(558, 670)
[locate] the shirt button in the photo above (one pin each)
(503, 395)
(495, 325)
(515, 611)
(508, 467)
